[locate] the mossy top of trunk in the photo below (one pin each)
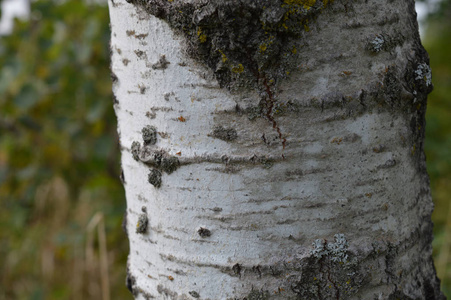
(245, 42)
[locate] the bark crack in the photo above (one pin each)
(269, 101)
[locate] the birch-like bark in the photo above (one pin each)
(308, 182)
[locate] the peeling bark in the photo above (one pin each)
(273, 149)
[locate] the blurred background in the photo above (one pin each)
(61, 200)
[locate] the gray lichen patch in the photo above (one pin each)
(337, 251)
(384, 42)
(169, 164)
(136, 148)
(204, 232)
(417, 75)
(141, 225)
(159, 159)
(241, 41)
(151, 156)
(225, 134)
(149, 135)
(376, 44)
(423, 72)
(154, 178)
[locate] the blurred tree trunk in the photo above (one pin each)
(9, 10)
(273, 149)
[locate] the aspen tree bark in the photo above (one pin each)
(273, 149)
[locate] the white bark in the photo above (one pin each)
(327, 200)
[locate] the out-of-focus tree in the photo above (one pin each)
(58, 157)
(438, 135)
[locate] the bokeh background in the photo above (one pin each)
(61, 199)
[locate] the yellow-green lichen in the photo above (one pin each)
(266, 45)
(238, 69)
(224, 57)
(202, 36)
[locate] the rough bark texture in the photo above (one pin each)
(273, 149)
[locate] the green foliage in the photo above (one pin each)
(438, 137)
(59, 155)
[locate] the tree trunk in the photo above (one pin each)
(273, 149)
